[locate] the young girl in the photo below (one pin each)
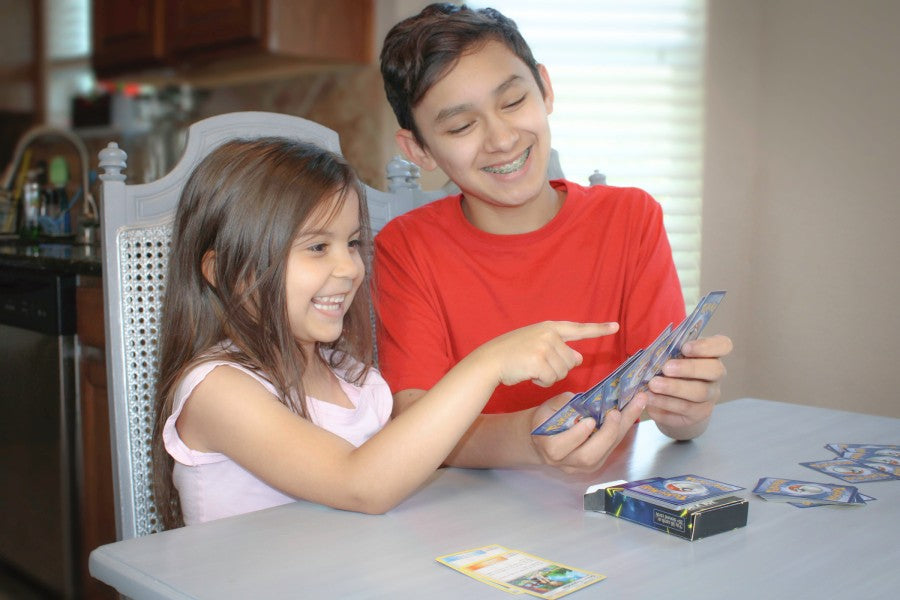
(266, 388)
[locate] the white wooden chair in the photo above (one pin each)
(136, 227)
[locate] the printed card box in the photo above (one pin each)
(691, 521)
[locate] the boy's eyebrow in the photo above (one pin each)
(448, 112)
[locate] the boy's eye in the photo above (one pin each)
(460, 128)
(516, 103)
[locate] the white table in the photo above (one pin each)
(303, 550)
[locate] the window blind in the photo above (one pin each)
(628, 83)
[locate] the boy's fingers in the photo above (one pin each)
(716, 346)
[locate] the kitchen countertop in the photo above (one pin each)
(47, 254)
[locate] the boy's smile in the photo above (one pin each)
(485, 125)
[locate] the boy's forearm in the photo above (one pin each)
(496, 441)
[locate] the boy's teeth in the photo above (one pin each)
(510, 167)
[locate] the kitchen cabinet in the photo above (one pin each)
(131, 36)
(97, 501)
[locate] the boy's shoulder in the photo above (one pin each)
(437, 213)
(610, 198)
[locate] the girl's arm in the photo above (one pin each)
(231, 413)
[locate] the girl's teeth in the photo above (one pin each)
(511, 167)
(328, 302)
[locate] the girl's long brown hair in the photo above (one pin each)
(245, 203)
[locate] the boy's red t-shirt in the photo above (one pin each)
(443, 287)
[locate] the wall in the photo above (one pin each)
(801, 199)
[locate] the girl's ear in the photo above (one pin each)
(413, 150)
(208, 267)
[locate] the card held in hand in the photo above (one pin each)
(618, 388)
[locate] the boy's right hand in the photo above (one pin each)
(539, 352)
(583, 448)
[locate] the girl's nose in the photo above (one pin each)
(348, 264)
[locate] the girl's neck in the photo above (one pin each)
(320, 382)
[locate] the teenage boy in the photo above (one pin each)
(514, 248)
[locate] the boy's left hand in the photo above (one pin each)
(682, 399)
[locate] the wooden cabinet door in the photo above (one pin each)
(98, 525)
(128, 34)
(205, 25)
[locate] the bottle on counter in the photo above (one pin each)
(56, 220)
(31, 206)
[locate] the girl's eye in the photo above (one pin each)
(317, 248)
(355, 244)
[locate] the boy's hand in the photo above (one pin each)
(681, 400)
(582, 448)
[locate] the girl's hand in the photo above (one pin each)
(539, 352)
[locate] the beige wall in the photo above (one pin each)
(802, 199)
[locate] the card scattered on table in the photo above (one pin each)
(806, 494)
(860, 463)
(517, 572)
(618, 388)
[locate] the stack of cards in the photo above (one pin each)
(618, 388)
(858, 463)
(680, 491)
(686, 506)
(806, 494)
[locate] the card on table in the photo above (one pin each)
(517, 572)
(852, 471)
(807, 493)
(618, 388)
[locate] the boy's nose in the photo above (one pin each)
(501, 135)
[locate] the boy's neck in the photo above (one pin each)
(511, 220)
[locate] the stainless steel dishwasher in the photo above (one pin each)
(38, 413)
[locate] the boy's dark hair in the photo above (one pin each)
(421, 49)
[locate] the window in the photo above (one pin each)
(628, 82)
(68, 56)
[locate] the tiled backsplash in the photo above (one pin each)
(349, 100)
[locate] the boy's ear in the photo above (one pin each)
(208, 267)
(413, 150)
(548, 88)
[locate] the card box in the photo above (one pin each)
(691, 522)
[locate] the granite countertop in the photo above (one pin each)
(48, 254)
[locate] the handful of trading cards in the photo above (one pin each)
(618, 388)
(860, 463)
(807, 494)
(687, 506)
